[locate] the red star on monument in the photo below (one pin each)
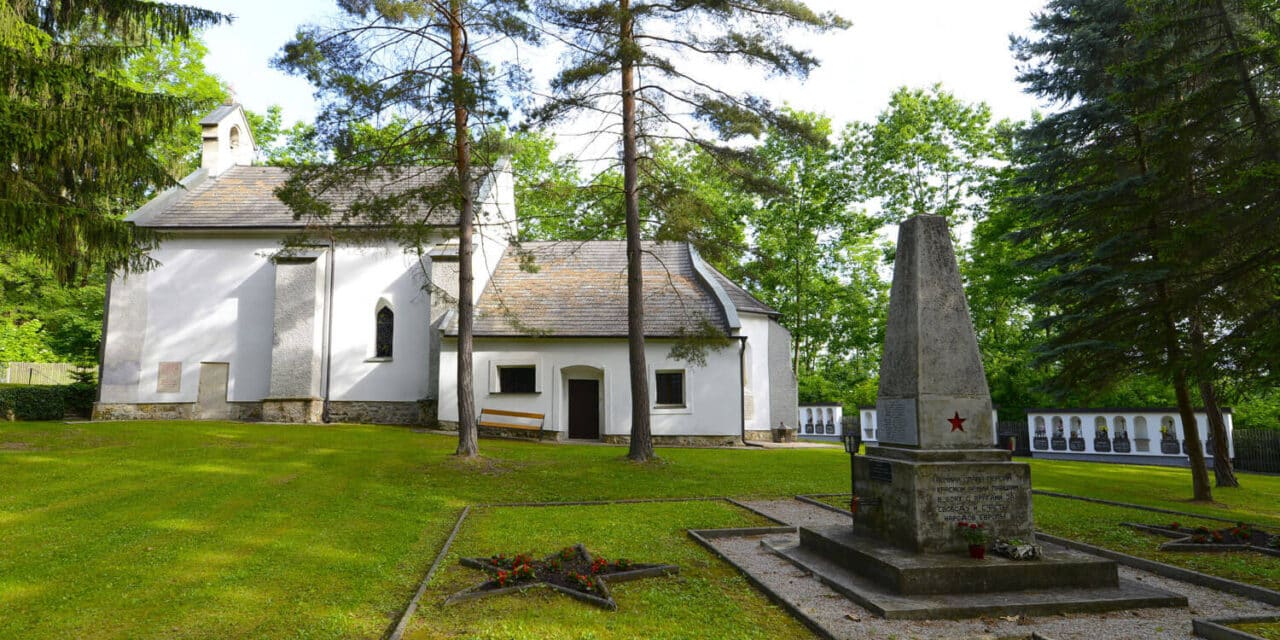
(957, 423)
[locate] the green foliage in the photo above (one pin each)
(176, 68)
(927, 153)
(44, 320)
(814, 258)
(23, 342)
(1259, 410)
(46, 402)
(72, 126)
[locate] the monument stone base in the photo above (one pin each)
(898, 584)
(911, 573)
(916, 498)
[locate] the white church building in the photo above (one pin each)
(231, 325)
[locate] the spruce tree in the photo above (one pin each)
(75, 134)
(1112, 246)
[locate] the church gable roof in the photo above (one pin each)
(244, 197)
(579, 289)
(744, 301)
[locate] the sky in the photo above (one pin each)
(916, 43)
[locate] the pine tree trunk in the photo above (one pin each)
(467, 445)
(1191, 432)
(1224, 473)
(641, 436)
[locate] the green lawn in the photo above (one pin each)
(221, 530)
(1256, 501)
(708, 599)
(217, 530)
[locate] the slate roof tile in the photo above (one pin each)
(244, 197)
(579, 289)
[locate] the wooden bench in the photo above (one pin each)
(517, 420)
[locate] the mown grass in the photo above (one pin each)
(224, 530)
(1256, 501)
(708, 599)
(1268, 630)
(221, 530)
(1101, 525)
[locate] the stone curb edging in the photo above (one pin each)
(596, 503)
(1068, 496)
(703, 536)
(1250, 591)
(1217, 629)
(818, 503)
(402, 624)
(756, 511)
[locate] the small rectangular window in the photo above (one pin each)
(670, 387)
(519, 379)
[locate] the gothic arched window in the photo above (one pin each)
(385, 328)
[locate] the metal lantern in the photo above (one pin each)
(851, 442)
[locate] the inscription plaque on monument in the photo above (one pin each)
(896, 421)
(975, 494)
(169, 377)
(880, 471)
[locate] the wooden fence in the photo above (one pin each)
(1257, 450)
(37, 373)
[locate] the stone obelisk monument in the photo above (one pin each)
(935, 464)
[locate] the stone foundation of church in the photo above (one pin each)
(239, 411)
(293, 410)
(422, 412)
(521, 434)
(678, 441)
(758, 436)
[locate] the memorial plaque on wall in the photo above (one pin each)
(1122, 445)
(896, 421)
(169, 377)
(880, 471)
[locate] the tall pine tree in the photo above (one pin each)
(632, 62)
(418, 65)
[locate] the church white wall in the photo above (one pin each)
(756, 361)
(364, 277)
(713, 396)
(210, 300)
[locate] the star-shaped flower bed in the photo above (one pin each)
(1241, 537)
(572, 571)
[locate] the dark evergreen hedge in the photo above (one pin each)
(45, 402)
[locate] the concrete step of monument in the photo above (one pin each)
(910, 573)
(882, 601)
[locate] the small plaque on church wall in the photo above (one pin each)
(896, 420)
(169, 377)
(880, 471)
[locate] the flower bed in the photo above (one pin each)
(572, 571)
(1241, 537)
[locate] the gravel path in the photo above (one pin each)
(844, 619)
